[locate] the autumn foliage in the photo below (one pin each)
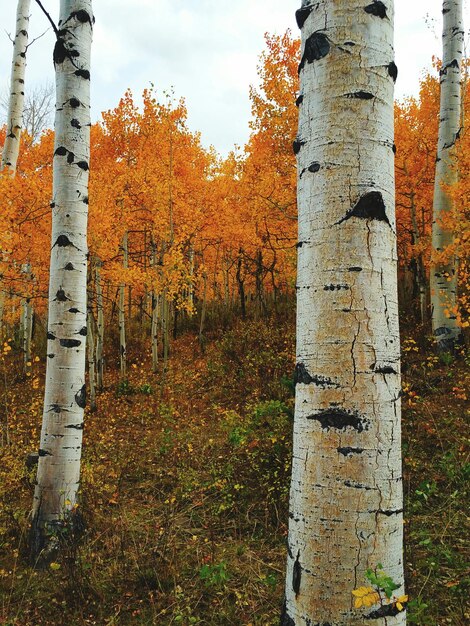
(206, 230)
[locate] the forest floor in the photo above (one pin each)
(185, 488)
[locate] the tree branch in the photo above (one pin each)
(48, 17)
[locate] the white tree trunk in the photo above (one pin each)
(346, 490)
(65, 396)
(443, 277)
(11, 147)
(122, 312)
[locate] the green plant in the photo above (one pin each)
(124, 388)
(214, 575)
(380, 593)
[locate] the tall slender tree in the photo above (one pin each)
(443, 276)
(346, 490)
(11, 147)
(58, 476)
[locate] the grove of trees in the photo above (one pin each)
(350, 204)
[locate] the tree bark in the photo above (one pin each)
(27, 326)
(55, 495)
(443, 275)
(122, 313)
(100, 328)
(11, 146)
(91, 357)
(346, 490)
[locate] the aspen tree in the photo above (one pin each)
(122, 311)
(11, 147)
(443, 274)
(346, 490)
(58, 475)
(14, 123)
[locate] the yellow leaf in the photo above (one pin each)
(54, 566)
(365, 596)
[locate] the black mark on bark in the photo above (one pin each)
(370, 206)
(302, 14)
(60, 296)
(339, 419)
(349, 483)
(383, 369)
(286, 619)
(361, 95)
(298, 143)
(299, 100)
(82, 74)
(76, 426)
(387, 610)
(296, 575)
(317, 46)
(80, 397)
(347, 451)
(393, 71)
(377, 8)
(70, 343)
(42, 452)
(301, 375)
(388, 513)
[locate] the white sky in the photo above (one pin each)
(207, 50)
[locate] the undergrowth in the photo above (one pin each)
(185, 489)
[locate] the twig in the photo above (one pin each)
(48, 17)
(36, 38)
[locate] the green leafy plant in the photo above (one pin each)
(214, 575)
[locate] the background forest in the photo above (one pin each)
(191, 298)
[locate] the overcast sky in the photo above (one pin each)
(207, 50)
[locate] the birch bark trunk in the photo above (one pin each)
(443, 275)
(11, 146)
(346, 490)
(55, 496)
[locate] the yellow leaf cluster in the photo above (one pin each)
(365, 596)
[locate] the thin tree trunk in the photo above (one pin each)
(11, 147)
(443, 275)
(91, 357)
(58, 477)
(100, 328)
(165, 314)
(155, 306)
(346, 490)
(191, 277)
(241, 285)
(203, 311)
(27, 325)
(122, 313)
